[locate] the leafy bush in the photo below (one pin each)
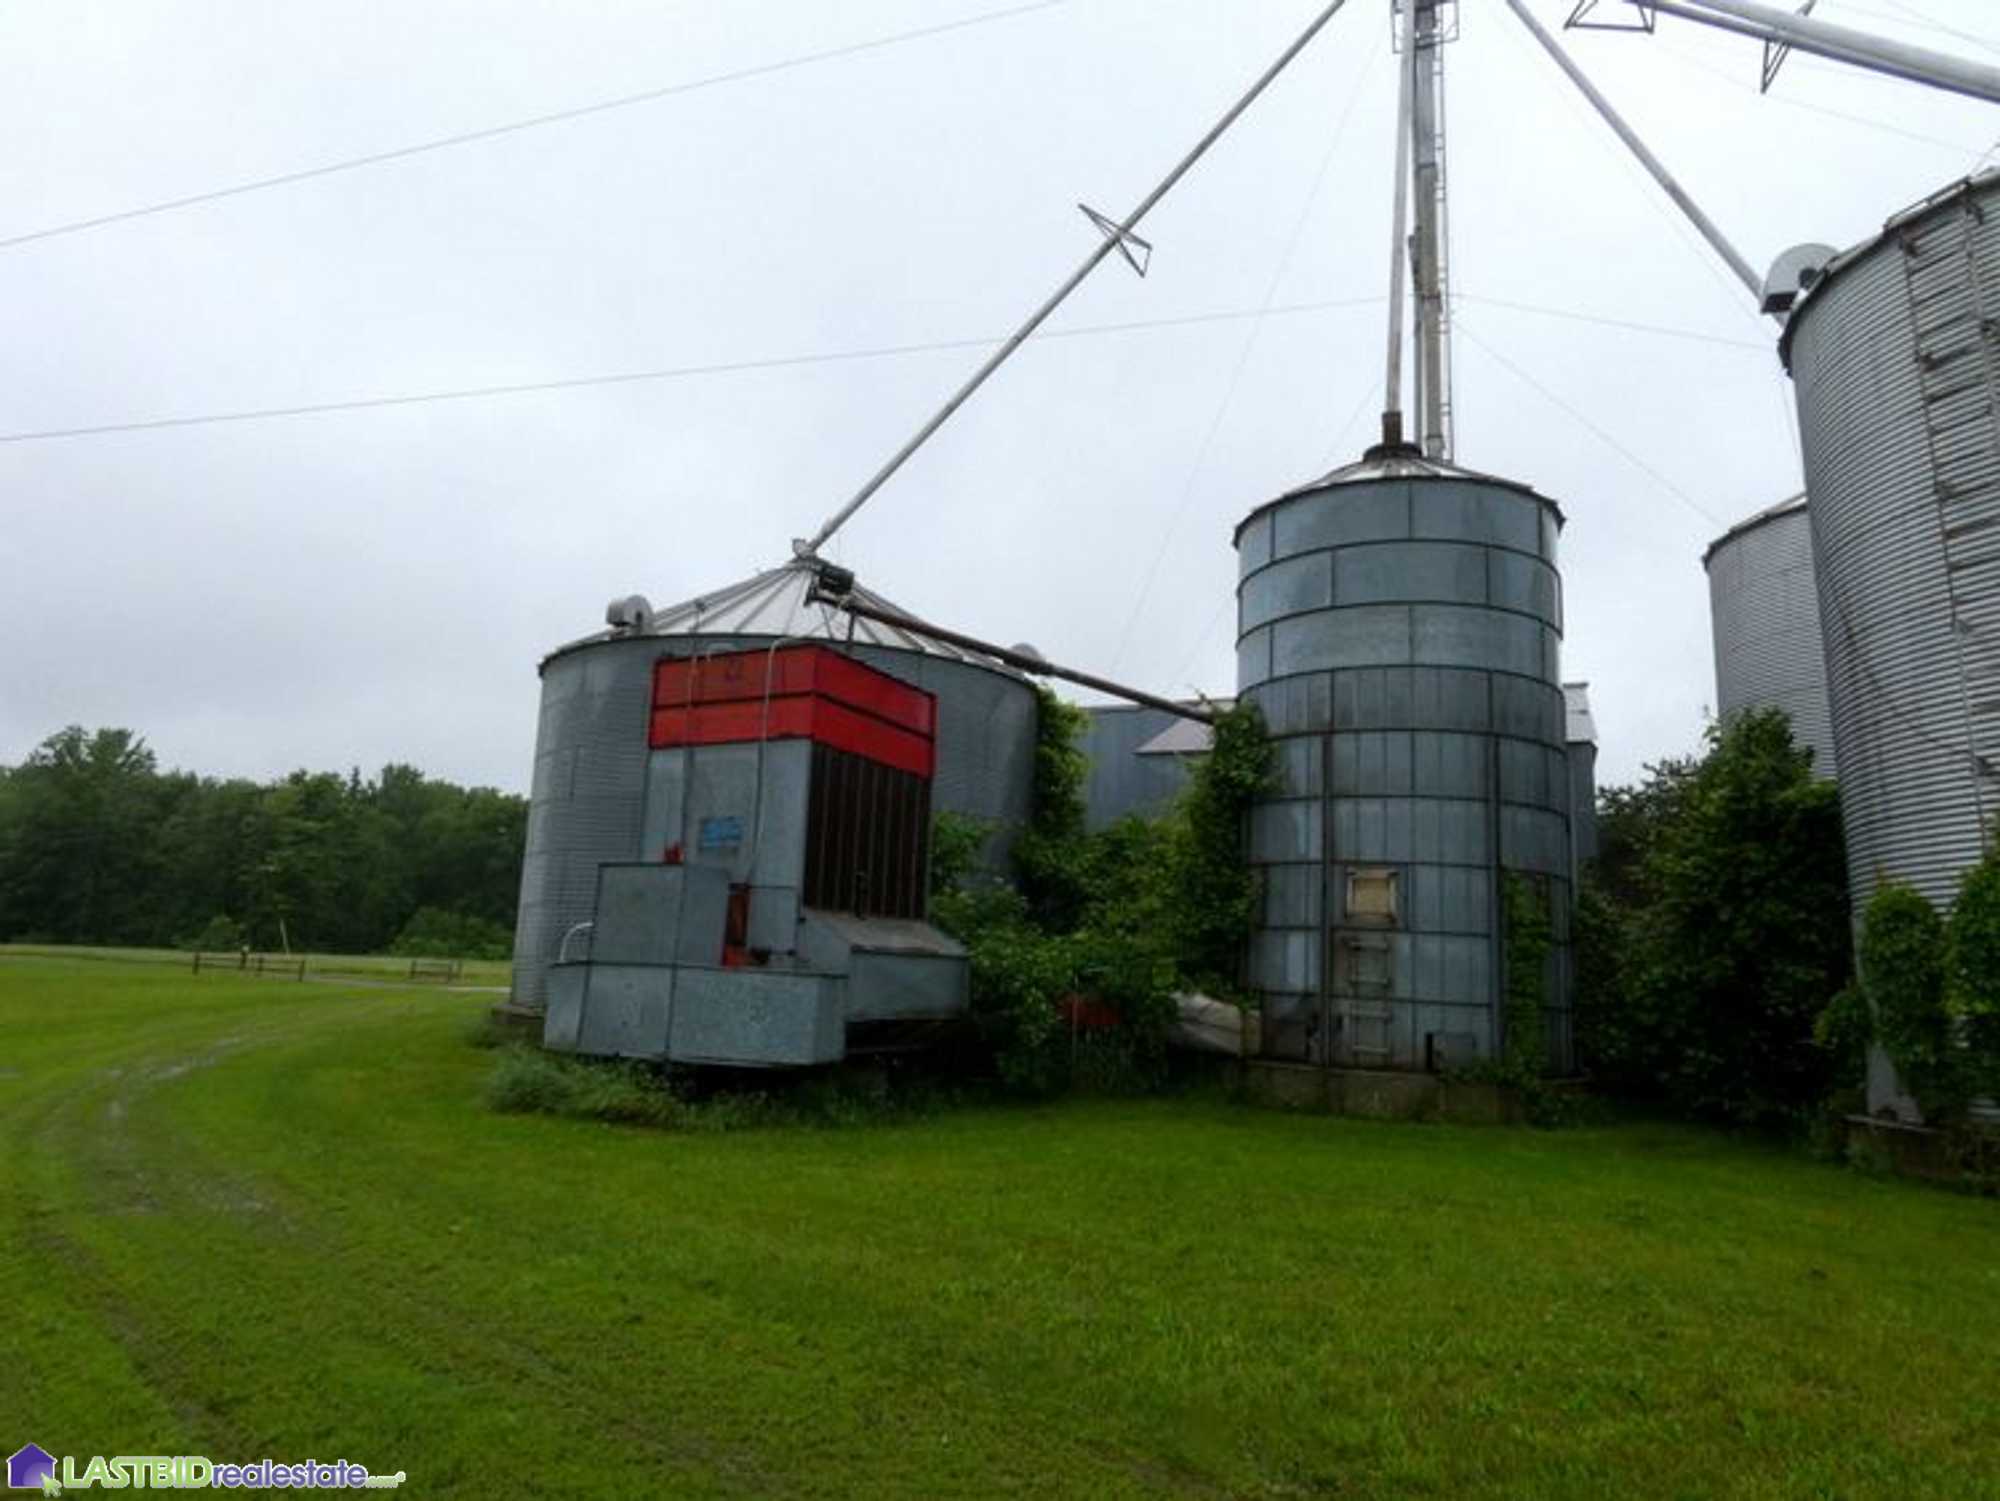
(1216, 892)
(1530, 940)
(1972, 971)
(1719, 930)
(1113, 922)
(1843, 1031)
(433, 933)
(1972, 944)
(1902, 970)
(1050, 856)
(956, 842)
(528, 1081)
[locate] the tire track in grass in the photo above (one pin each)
(51, 1273)
(296, 1254)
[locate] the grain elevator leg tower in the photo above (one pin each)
(1399, 627)
(776, 912)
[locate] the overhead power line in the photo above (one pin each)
(1591, 427)
(1767, 346)
(632, 377)
(1249, 346)
(532, 122)
(788, 361)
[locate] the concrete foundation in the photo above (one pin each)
(1377, 1094)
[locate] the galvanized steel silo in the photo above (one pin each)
(1894, 358)
(587, 801)
(1763, 605)
(1400, 627)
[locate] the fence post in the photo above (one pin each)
(197, 961)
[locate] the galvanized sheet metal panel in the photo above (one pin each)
(587, 804)
(1401, 637)
(1893, 361)
(1764, 611)
(757, 1018)
(1122, 782)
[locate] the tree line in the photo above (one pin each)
(98, 845)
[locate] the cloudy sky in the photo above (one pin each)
(353, 587)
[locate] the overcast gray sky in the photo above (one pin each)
(351, 588)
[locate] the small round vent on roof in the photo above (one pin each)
(1793, 274)
(629, 616)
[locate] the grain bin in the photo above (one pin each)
(1763, 605)
(1892, 352)
(1400, 628)
(587, 800)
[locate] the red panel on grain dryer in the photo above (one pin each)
(681, 682)
(811, 694)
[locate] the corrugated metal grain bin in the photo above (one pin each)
(1893, 356)
(1400, 627)
(587, 801)
(1763, 602)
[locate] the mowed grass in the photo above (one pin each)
(243, 1219)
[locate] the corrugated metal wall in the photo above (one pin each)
(1894, 361)
(1123, 783)
(1764, 614)
(1401, 637)
(1582, 803)
(587, 800)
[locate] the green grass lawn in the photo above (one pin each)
(247, 1220)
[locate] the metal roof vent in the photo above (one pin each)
(1793, 274)
(630, 616)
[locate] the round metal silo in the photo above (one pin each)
(1400, 626)
(587, 799)
(1764, 612)
(1893, 355)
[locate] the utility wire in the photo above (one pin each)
(1369, 390)
(532, 122)
(669, 372)
(1649, 189)
(1243, 355)
(782, 362)
(1599, 433)
(1910, 15)
(1744, 85)
(1766, 347)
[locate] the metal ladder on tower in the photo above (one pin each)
(1367, 985)
(1443, 254)
(1955, 340)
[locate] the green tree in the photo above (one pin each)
(97, 845)
(1972, 971)
(76, 857)
(1720, 929)
(1902, 974)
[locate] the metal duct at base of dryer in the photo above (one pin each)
(787, 795)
